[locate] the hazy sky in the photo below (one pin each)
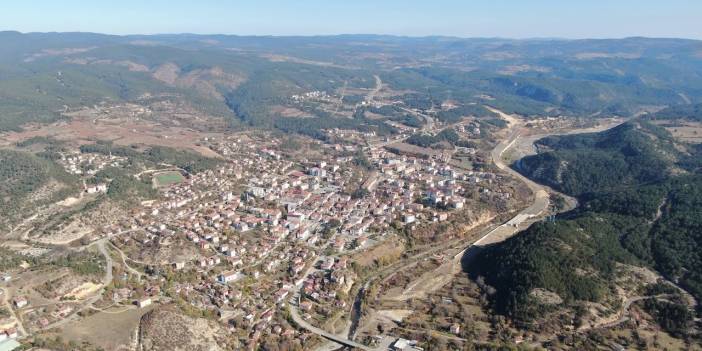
(466, 18)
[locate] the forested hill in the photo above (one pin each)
(23, 174)
(632, 153)
(640, 203)
(690, 112)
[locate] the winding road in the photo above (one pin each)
(493, 234)
(106, 280)
(124, 261)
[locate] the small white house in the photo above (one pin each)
(20, 301)
(409, 218)
(144, 302)
(228, 277)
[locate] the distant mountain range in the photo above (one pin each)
(240, 78)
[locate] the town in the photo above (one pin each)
(266, 230)
(471, 177)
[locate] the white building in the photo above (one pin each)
(228, 277)
(144, 302)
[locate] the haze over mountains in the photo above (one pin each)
(223, 74)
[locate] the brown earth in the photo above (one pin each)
(389, 250)
(122, 132)
(109, 330)
(167, 329)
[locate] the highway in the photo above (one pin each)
(497, 234)
(541, 192)
(537, 207)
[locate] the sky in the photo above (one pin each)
(466, 18)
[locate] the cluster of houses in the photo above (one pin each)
(320, 288)
(78, 163)
(264, 217)
(42, 320)
(312, 95)
(350, 135)
(472, 129)
(8, 325)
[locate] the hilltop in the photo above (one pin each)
(633, 153)
(638, 193)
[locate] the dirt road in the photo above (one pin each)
(6, 302)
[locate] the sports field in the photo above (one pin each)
(168, 178)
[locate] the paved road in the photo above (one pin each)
(428, 119)
(537, 208)
(106, 280)
(494, 235)
(336, 338)
(541, 195)
(124, 261)
(378, 85)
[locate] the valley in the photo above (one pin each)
(195, 192)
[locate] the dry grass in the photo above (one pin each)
(389, 250)
(285, 111)
(414, 150)
(690, 132)
(111, 331)
(84, 130)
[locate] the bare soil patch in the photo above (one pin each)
(389, 250)
(111, 331)
(289, 112)
(121, 131)
(686, 131)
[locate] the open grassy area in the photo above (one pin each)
(168, 178)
